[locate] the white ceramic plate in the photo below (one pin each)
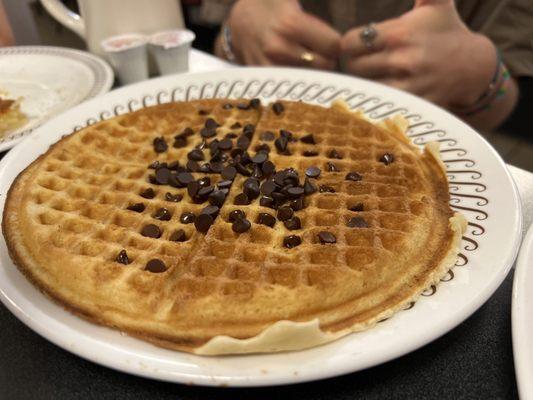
(481, 187)
(522, 318)
(49, 80)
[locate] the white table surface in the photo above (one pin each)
(200, 61)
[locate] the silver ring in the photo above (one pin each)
(368, 35)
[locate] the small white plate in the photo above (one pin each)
(480, 187)
(522, 318)
(49, 80)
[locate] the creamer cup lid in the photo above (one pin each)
(123, 42)
(172, 38)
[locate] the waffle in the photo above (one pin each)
(357, 240)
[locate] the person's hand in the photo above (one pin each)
(266, 32)
(427, 51)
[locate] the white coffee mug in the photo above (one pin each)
(100, 19)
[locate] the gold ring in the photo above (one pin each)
(307, 57)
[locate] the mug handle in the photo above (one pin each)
(66, 17)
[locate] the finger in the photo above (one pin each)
(352, 45)
(314, 34)
(280, 51)
(372, 66)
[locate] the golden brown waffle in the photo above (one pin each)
(66, 222)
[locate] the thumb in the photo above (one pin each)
(421, 3)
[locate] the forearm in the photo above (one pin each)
(6, 35)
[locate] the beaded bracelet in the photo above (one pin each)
(496, 90)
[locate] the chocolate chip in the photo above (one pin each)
(225, 144)
(334, 154)
(356, 207)
(162, 175)
(228, 173)
(216, 167)
(251, 188)
(185, 178)
(265, 148)
(295, 191)
(192, 189)
(279, 177)
(208, 132)
(326, 237)
(281, 144)
(332, 167)
(160, 145)
(286, 134)
(241, 225)
(241, 200)
(203, 222)
(357, 222)
(268, 187)
(257, 172)
(236, 125)
(326, 189)
(224, 184)
(178, 236)
(279, 198)
(268, 168)
(174, 165)
(187, 132)
(210, 123)
(137, 207)
(162, 214)
(266, 219)
(196, 155)
(151, 179)
(291, 241)
(266, 201)
(227, 106)
(278, 108)
(241, 169)
(211, 211)
(267, 136)
(243, 142)
(187, 217)
(217, 197)
(293, 224)
(147, 193)
(122, 258)
(193, 166)
(260, 157)
(297, 204)
(353, 176)
(235, 215)
(312, 172)
(155, 265)
(285, 213)
(175, 198)
(205, 191)
(386, 158)
(309, 187)
(255, 103)
(151, 231)
(310, 153)
(180, 142)
(308, 139)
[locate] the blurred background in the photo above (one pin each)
(32, 25)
